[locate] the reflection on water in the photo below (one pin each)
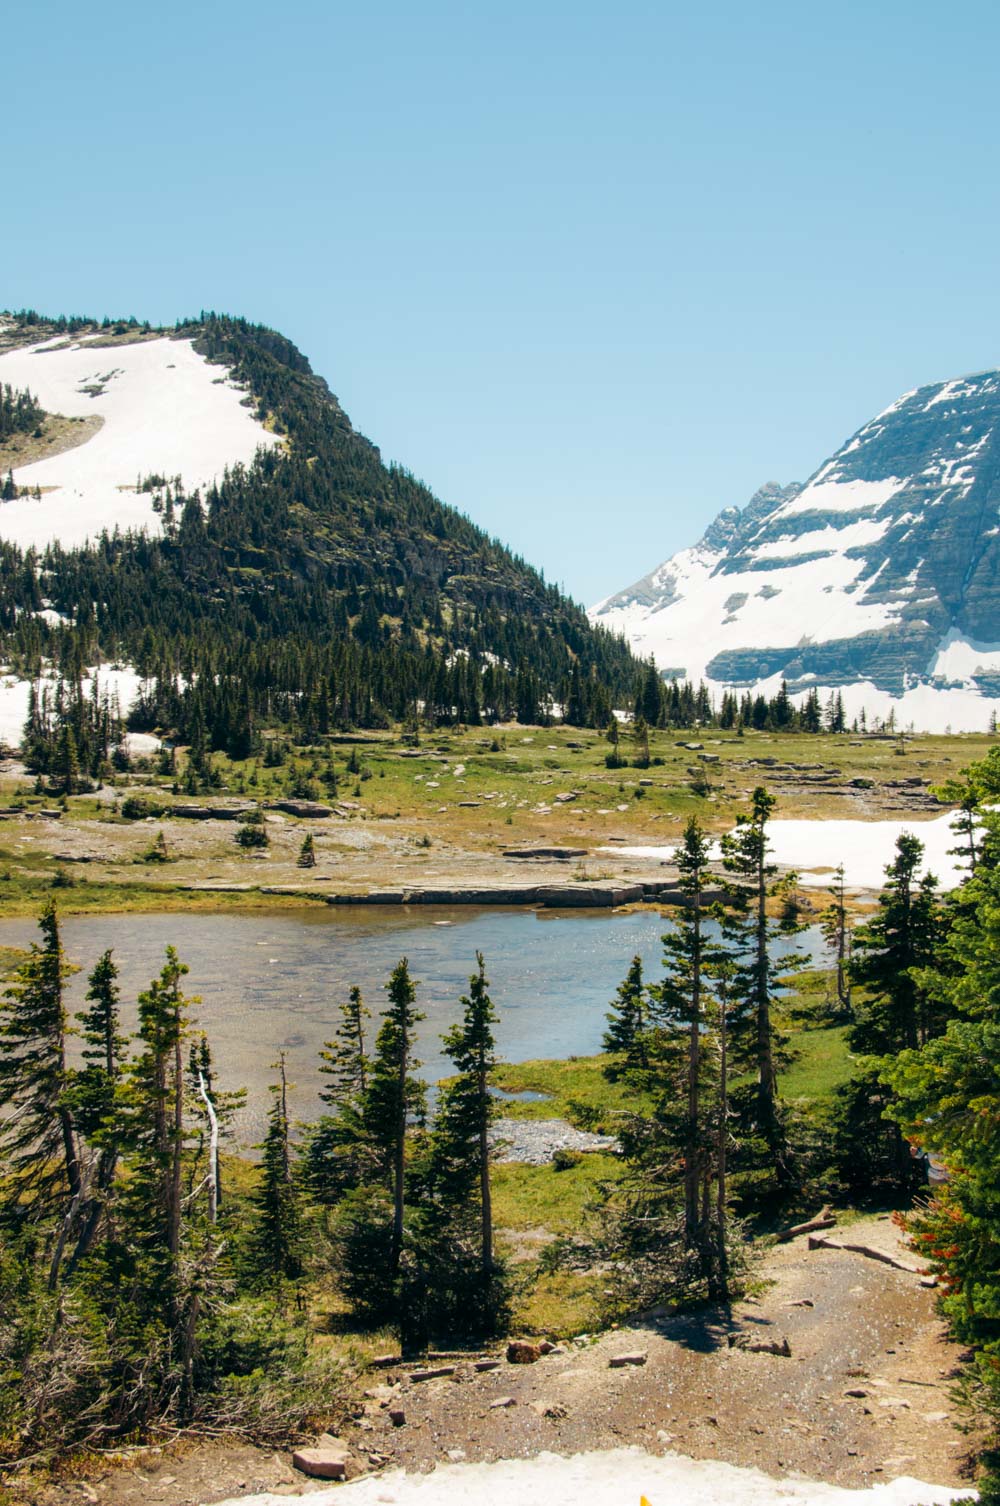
(271, 983)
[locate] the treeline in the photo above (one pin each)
(20, 413)
(323, 563)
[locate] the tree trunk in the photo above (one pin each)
(720, 1182)
(213, 1152)
(485, 1197)
(399, 1165)
(692, 1159)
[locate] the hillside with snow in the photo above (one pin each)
(880, 577)
(164, 410)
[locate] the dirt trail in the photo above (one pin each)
(863, 1396)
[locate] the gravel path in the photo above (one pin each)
(533, 1142)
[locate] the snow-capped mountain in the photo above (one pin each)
(880, 576)
(145, 407)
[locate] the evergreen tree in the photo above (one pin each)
(755, 1041)
(466, 1109)
(682, 1001)
(627, 1035)
(900, 938)
(836, 928)
(394, 1095)
(276, 1244)
(94, 1094)
(39, 1142)
(340, 1152)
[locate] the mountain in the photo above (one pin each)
(878, 577)
(194, 501)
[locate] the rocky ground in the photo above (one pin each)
(862, 1396)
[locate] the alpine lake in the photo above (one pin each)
(271, 983)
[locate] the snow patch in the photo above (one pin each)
(841, 496)
(166, 412)
(959, 657)
(618, 1477)
(815, 848)
(117, 681)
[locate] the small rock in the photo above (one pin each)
(482, 1365)
(456, 1455)
(858, 1391)
(503, 1401)
(397, 1417)
(928, 1281)
(551, 1409)
(439, 1372)
(327, 1461)
(619, 1361)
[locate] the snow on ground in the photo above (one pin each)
(618, 1477)
(925, 708)
(959, 657)
(166, 412)
(785, 605)
(123, 682)
(822, 495)
(815, 848)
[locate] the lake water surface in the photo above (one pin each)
(271, 983)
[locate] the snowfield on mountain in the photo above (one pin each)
(877, 578)
(166, 412)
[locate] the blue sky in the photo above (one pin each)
(592, 271)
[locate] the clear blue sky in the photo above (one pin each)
(593, 271)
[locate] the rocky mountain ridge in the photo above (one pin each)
(879, 576)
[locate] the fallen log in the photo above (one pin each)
(816, 1242)
(825, 1219)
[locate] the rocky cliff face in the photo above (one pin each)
(880, 576)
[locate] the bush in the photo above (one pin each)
(138, 807)
(565, 1159)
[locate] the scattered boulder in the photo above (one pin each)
(521, 1352)
(438, 1372)
(502, 1402)
(619, 1361)
(397, 1417)
(327, 1460)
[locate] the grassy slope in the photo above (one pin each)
(503, 796)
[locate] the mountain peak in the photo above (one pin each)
(880, 576)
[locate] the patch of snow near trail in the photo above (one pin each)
(619, 1477)
(815, 848)
(166, 412)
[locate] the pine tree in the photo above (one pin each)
(755, 1041)
(39, 1142)
(902, 936)
(682, 1002)
(276, 1244)
(394, 1094)
(627, 1035)
(67, 766)
(156, 1130)
(307, 852)
(836, 928)
(94, 1094)
(339, 1151)
(466, 1109)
